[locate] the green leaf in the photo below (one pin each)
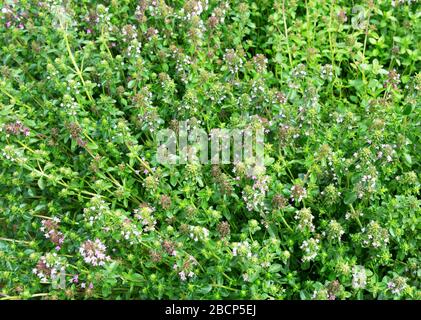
(350, 197)
(41, 183)
(407, 110)
(407, 158)
(131, 84)
(92, 146)
(268, 161)
(206, 289)
(173, 180)
(275, 268)
(134, 277)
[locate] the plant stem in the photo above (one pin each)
(286, 32)
(79, 73)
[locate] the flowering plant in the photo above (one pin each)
(87, 210)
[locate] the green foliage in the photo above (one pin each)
(86, 211)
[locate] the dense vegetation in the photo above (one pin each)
(86, 211)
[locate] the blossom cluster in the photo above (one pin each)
(94, 252)
(50, 228)
(329, 209)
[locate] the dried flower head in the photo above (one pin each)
(224, 229)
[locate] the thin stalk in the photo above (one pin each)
(286, 32)
(78, 71)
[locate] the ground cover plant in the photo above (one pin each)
(87, 211)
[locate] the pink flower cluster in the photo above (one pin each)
(12, 17)
(16, 129)
(50, 227)
(94, 252)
